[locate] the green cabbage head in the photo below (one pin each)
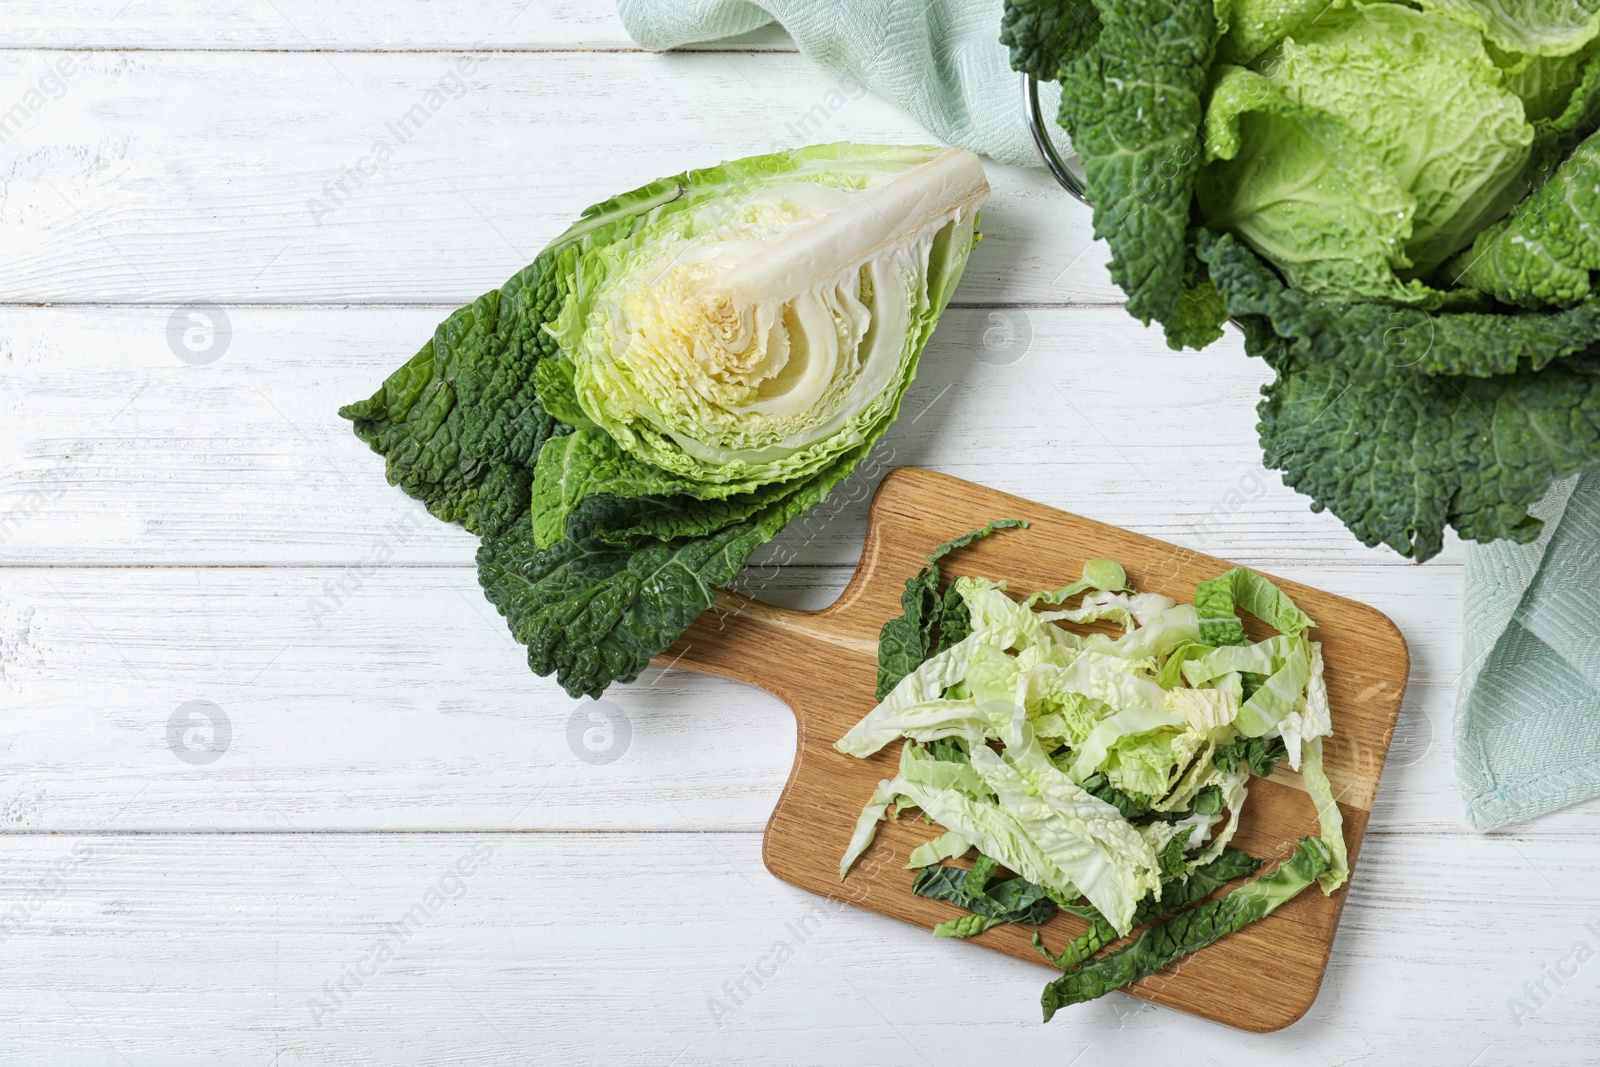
(766, 323)
(1399, 205)
(1362, 150)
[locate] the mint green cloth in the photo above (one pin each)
(1527, 731)
(939, 60)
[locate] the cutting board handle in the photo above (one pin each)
(782, 650)
(771, 648)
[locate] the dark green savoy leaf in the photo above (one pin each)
(1128, 805)
(907, 640)
(606, 520)
(1260, 754)
(977, 879)
(1170, 858)
(1010, 901)
(1201, 312)
(592, 492)
(594, 617)
(1019, 900)
(1399, 456)
(1132, 102)
(1176, 893)
(460, 424)
(1206, 879)
(942, 882)
(1044, 34)
(1188, 931)
(1399, 450)
(955, 622)
(1384, 342)
(1099, 934)
(1207, 801)
(973, 535)
(949, 749)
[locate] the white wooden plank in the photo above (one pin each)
(406, 705)
(163, 177)
(400, 701)
(614, 948)
(304, 25)
(114, 451)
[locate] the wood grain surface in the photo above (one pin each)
(823, 664)
(179, 528)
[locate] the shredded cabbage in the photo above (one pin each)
(1087, 763)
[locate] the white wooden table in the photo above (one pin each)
(206, 529)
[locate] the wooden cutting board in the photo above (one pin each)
(824, 665)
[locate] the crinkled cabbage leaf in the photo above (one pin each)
(683, 371)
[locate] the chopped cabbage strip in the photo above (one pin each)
(1311, 720)
(1085, 838)
(1202, 772)
(994, 829)
(1132, 611)
(947, 846)
(1112, 680)
(866, 826)
(1264, 657)
(923, 687)
(1105, 575)
(1328, 817)
(1277, 696)
(1125, 723)
(1161, 635)
(1235, 787)
(942, 774)
(1203, 709)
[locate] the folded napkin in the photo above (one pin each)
(1527, 730)
(939, 60)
